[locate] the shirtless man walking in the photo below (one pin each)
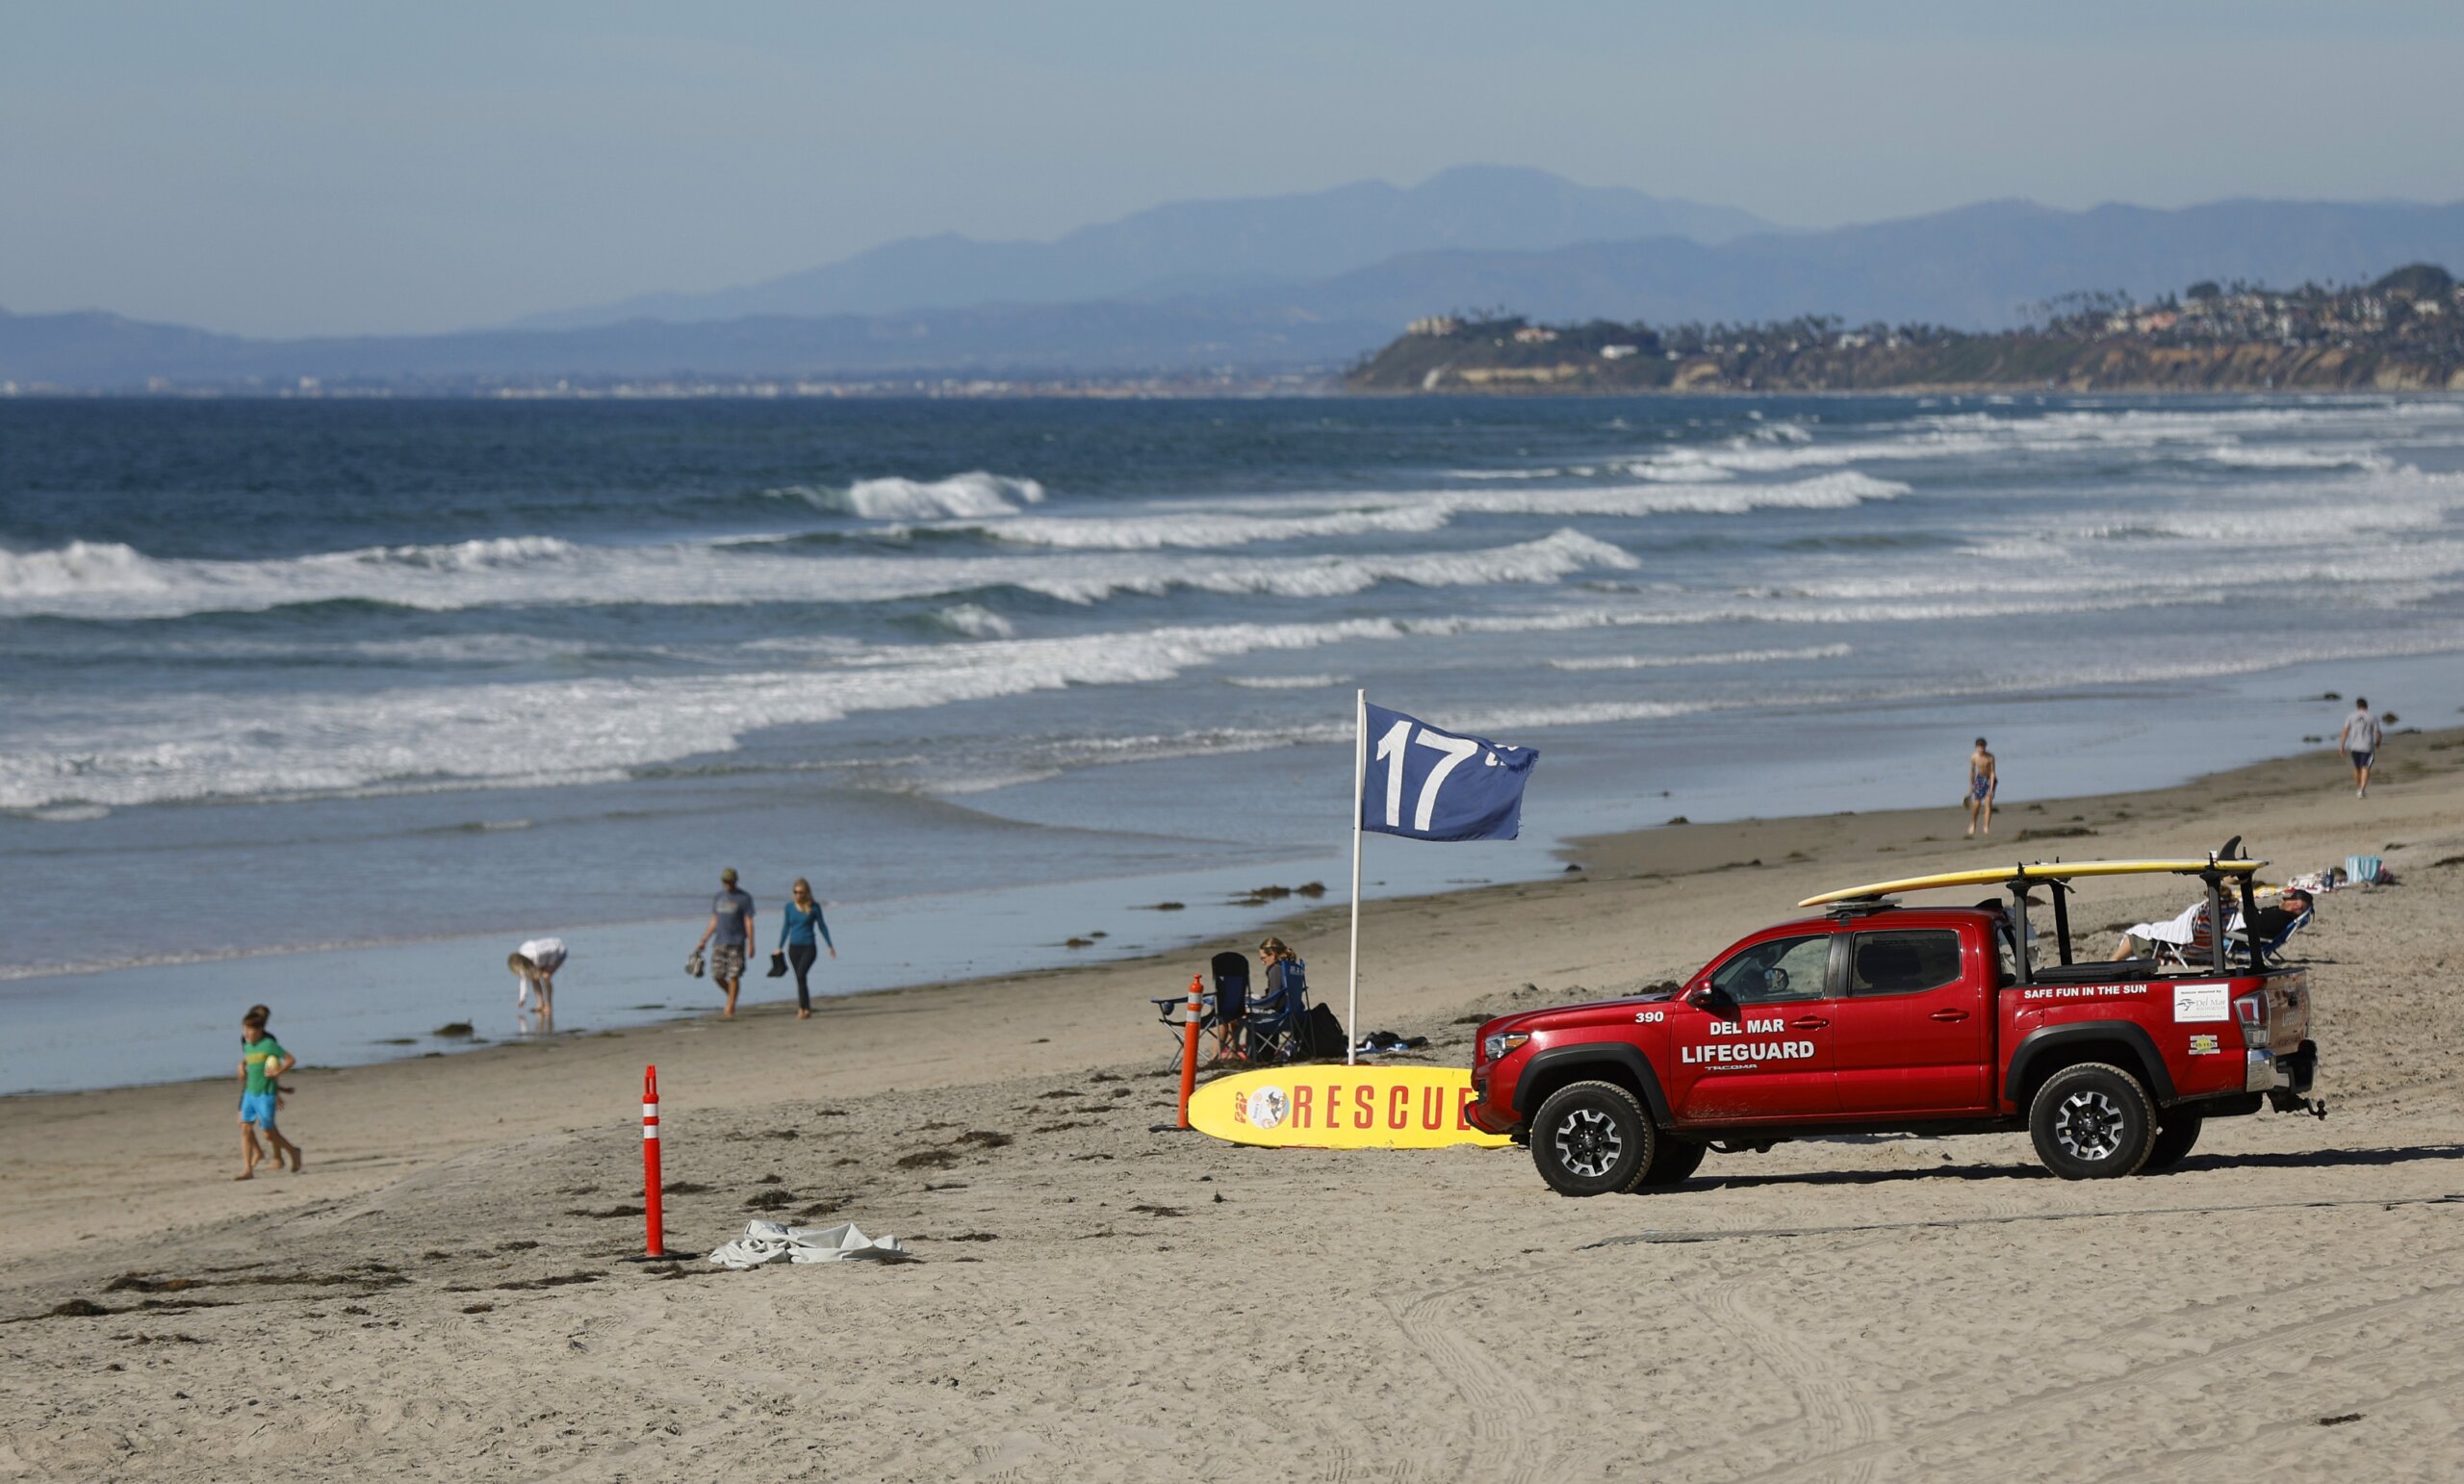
(1982, 782)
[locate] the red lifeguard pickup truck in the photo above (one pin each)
(1880, 1017)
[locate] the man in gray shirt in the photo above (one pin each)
(728, 937)
(2359, 742)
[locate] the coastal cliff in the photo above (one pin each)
(2404, 333)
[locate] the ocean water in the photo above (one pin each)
(407, 681)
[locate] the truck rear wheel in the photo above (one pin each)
(1672, 1162)
(2092, 1123)
(2174, 1136)
(1592, 1138)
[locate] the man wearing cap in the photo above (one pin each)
(729, 932)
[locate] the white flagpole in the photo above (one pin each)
(1359, 783)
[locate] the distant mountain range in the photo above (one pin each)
(1247, 286)
(1976, 267)
(1193, 248)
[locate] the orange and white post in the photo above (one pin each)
(651, 1219)
(1189, 1043)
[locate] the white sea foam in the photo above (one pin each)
(1264, 518)
(973, 495)
(1284, 681)
(1672, 661)
(1156, 532)
(2234, 455)
(2212, 434)
(545, 573)
(975, 621)
(202, 745)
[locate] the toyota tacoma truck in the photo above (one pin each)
(1877, 1016)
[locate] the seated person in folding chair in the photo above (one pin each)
(2272, 925)
(2174, 939)
(1281, 1007)
(2186, 939)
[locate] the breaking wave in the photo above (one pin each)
(539, 572)
(972, 495)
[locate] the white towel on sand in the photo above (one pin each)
(767, 1242)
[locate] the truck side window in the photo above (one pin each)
(2006, 956)
(1909, 960)
(1784, 968)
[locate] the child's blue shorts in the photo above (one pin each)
(257, 1108)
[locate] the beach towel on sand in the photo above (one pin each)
(767, 1242)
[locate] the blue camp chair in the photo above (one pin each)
(1231, 1020)
(2239, 945)
(1278, 1017)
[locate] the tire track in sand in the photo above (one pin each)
(1508, 1441)
(2315, 1326)
(1836, 1415)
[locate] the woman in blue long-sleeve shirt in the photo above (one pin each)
(796, 936)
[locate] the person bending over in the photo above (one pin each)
(534, 967)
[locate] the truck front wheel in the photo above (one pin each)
(1592, 1138)
(2092, 1123)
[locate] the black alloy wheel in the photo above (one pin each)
(1592, 1138)
(2092, 1123)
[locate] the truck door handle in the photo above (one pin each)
(1948, 1015)
(1807, 1023)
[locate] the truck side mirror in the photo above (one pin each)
(1700, 994)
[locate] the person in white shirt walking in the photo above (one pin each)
(2359, 743)
(534, 967)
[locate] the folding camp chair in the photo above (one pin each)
(1231, 1017)
(1278, 1018)
(2238, 945)
(1173, 1011)
(2193, 954)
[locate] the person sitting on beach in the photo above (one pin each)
(262, 1064)
(728, 937)
(1982, 784)
(2269, 923)
(1285, 983)
(2146, 938)
(534, 967)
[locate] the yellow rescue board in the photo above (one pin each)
(2041, 871)
(1340, 1108)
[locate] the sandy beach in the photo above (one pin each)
(439, 1294)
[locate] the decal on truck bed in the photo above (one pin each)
(2198, 1003)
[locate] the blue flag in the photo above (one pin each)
(1440, 785)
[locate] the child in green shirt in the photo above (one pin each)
(262, 1062)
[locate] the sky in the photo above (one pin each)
(298, 168)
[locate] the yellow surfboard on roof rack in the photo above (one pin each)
(2039, 871)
